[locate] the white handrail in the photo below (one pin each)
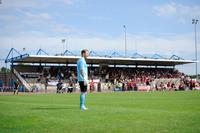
(23, 81)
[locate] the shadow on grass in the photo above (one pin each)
(55, 108)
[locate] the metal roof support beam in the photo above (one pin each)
(40, 51)
(67, 52)
(175, 57)
(92, 53)
(115, 54)
(137, 55)
(11, 53)
(157, 56)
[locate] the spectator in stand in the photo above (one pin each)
(181, 86)
(91, 86)
(16, 87)
(173, 86)
(46, 84)
(169, 86)
(99, 86)
(59, 86)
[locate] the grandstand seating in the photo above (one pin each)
(33, 77)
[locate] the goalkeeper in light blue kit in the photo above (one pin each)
(82, 74)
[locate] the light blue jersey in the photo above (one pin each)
(81, 64)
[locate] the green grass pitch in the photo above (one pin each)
(125, 112)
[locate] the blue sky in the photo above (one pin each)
(156, 26)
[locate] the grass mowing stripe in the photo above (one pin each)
(153, 112)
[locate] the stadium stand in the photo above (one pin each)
(41, 73)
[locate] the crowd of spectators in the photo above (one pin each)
(127, 78)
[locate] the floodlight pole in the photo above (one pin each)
(67, 44)
(63, 42)
(194, 21)
(125, 41)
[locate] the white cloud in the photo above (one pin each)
(166, 10)
(97, 18)
(65, 2)
(62, 28)
(19, 4)
(7, 18)
(39, 16)
(181, 45)
(35, 19)
(175, 9)
(26, 4)
(145, 44)
(69, 2)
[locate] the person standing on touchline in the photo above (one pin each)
(82, 74)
